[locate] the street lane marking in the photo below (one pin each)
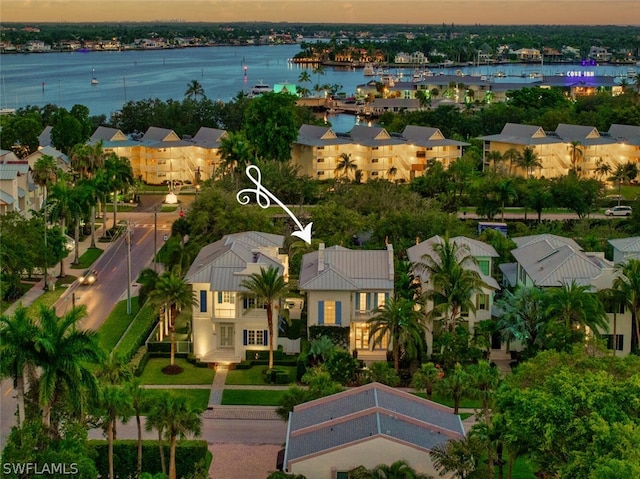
(147, 233)
(8, 391)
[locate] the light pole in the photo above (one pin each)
(155, 237)
(128, 240)
(46, 259)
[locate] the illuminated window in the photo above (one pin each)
(330, 312)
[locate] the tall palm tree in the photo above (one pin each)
(60, 200)
(64, 356)
(453, 280)
(304, 78)
(528, 161)
(511, 155)
(523, 316)
(494, 157)
(456, 384)
(180, 421)
(45, 172)
(174, 294)
(505, 192)
(80, 202)
(236, 152)
(577, 153)
(346, 165)
(119, 177)
(139, 401)
(269, 287)
(194, 90)
(602, 168)
(159, 410)
(575, 307)
(629, 284)
(115, 404)
(17, 352)
(461, 457)
(403, 325)
(622, 174)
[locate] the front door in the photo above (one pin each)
(226, 335)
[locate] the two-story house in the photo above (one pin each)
(549, 261)
(344, 288)
(226, 321)
(483, 254)
(17, 190)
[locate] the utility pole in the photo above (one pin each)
(155, 237)
(128, 239)
(46, 259)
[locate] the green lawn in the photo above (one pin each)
(168, 209)
(197, 399)
(153, 374)
(251, 397)
(254, 376)
(88, 258)
(465, 403)
(49, 298)
(116, 324)
(521, 469)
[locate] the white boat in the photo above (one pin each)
(94, 80)
(259, 89)
(369, 71)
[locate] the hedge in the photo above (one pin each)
(125, 457)
(138, 332)
(338, 335)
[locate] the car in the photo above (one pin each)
(89, 277)
(619, 211)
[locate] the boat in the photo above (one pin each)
(260, 88)
(369, 71)
(94, 80)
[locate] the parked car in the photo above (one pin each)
(89, 277)
(619, 211)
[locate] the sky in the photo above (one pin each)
(496, 12)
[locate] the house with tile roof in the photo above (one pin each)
(366, 426)
(17, 190)
(484, 255)
(344, 288)
(549, 261)
(225, 322)
(625, 249)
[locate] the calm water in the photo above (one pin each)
(64, 79)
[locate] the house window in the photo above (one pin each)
(228, 297)
(421, 154)
(320, 148)
(162, 162)
(619, 341)
(482, 302)
(374, 160)
(361, 302)
(203, 301)
(374, 173)
(255, 337)
(320, 160)
(374, 147)
(612, 307)
(361, 332)
(464, 312)
(330, 312)
(381, 299)
(320, 173)
(484, 265)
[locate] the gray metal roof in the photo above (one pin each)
(373, 410)
(6, 198)
(625, 134)
(347, 270)
(57, 154)
(428, 137)
(586, 135)
(517, 134)
(209, 137)
(553, 240)
(630, 245)
(44, 138)
(105, 133)
(155, 133)
(373, 136)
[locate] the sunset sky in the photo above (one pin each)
(559, 12)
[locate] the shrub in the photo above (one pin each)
(338, 335)
(342, 366)
(381, 372)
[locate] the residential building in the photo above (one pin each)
(344, 288)
(227, 321)
(366, 426)
(415, 58)
(550, 261)
(483, 254)
(625, 249)
(17, 190)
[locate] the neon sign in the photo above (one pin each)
(575, 74)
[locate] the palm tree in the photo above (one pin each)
(180, 420)
(119, 176)
(602, 168)
(235, 153)
(623, 174)
(60, 201)
(495, 157)
(426, 378)
(18, 334)
(194, 90)
(511, 155)
(159, 410)
(81, 200)
(139, 400)
(577, 153)
(391, 173)
(174, 294)
(505, 192)
(268, 287)
(115, 404)
(455, 384)
(346, 165)
(462, 457)
(523, 316)
(577, 308)
(453, 280)
(528, 160)
(64, 356)
(400, 322)
(45, 173)
(398, 470)
(629, 284)
(304, 78)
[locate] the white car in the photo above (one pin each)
(619, 211)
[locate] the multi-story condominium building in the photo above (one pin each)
(344, 288)
(227, 321)
(549, 261)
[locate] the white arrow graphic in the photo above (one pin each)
(264, 198)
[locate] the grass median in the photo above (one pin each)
(252, 397)
(197, 399)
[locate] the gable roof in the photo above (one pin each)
(105, 133)
(473, 247)
(586, 135)
(628, 245)
(313, 135)
(373, 136)
(342, 269)
(625, 134)
(224, 264)
(526, 135)
(428, 137)
(368, 412)
(44, 138)
(209, 137)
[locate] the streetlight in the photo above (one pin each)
(128, 240)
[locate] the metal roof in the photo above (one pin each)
(373, 410)
(630, 245)
(518, 134)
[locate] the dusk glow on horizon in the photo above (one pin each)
(427, 12)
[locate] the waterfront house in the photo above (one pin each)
(226, 322)
(366, 426)
(549, 261)
(17, 190)
(344, 288)
(484, 256)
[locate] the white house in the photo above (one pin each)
(484, 255)
(226, 323)
(366, 426)
(344, 288)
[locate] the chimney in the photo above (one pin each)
(320, 258)
(390, 259)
